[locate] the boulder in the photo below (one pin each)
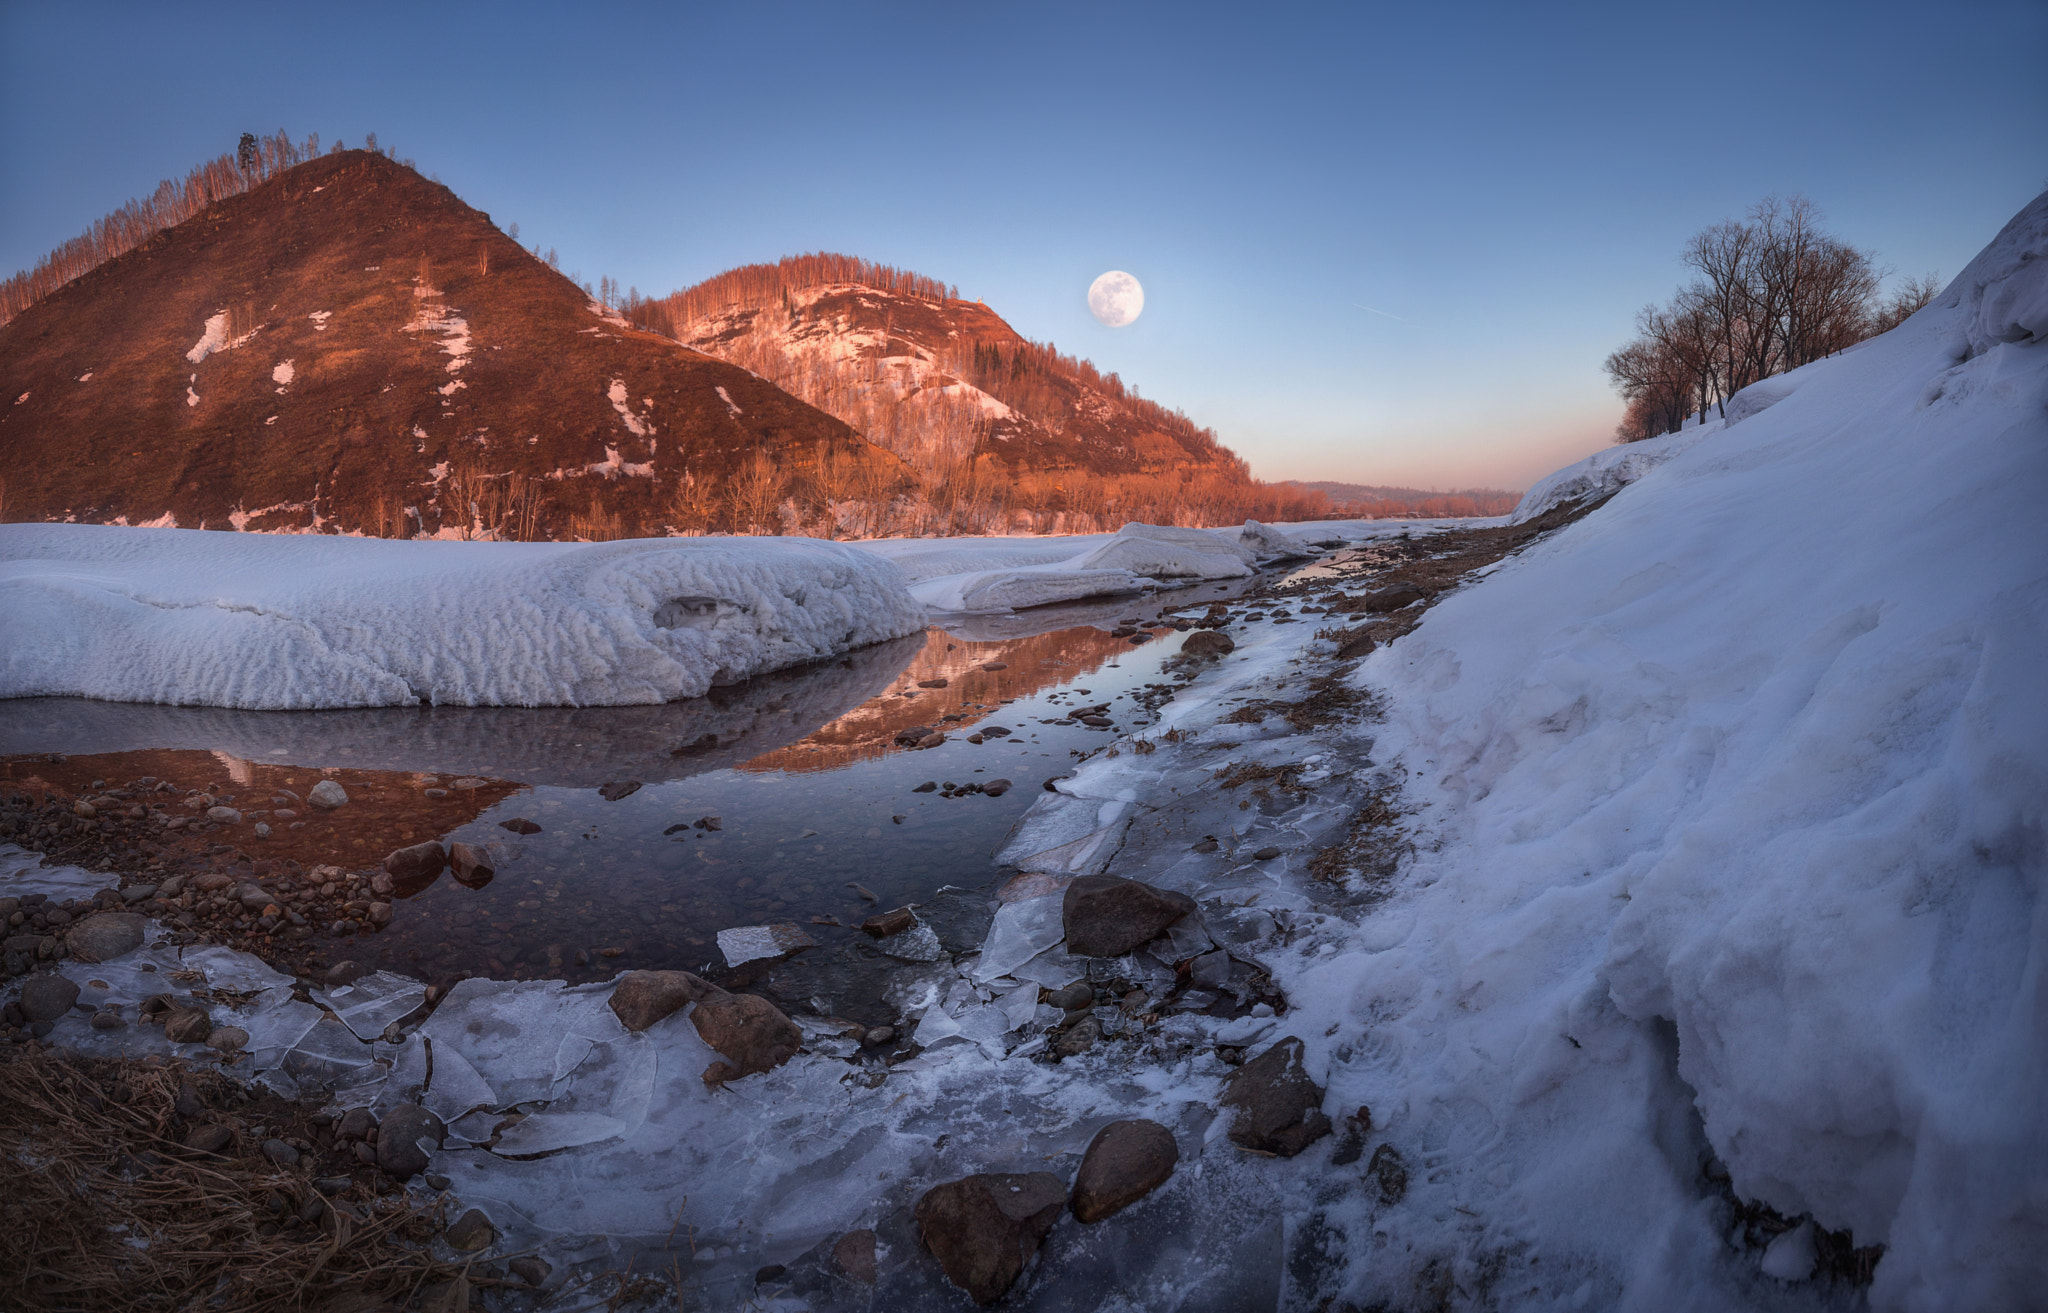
(984, 1228)
(417, 865)
(105, 936)
(751, 1032)
(642, 998)
(398, 1140)
(472, 866)
(1107, 916)
(1125, 1161)
(47, 997)
(1207, 643)
(1279, 1109)
(327, 795)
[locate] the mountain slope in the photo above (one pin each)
(350, 347)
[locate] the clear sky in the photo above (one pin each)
(1379, 243)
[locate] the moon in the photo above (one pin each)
(1116, 298)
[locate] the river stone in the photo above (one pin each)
(1108, 916)
(750, 1031)
(1391, 598)
(884, 924)
(48, 997)
(187, 1025)
(398, 1136)
(854, 1256)
(1125, 1162)
(228, 1039)
(984, 1228)
(1279, 1109)
(327, 795)
(472, 865)
(105, 936)
(417, 864)
(470, 1232)
(1207, 643)
(224, 815)
(642, 998)
(614, 792)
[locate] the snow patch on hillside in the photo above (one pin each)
(262, 621)
(215, 338)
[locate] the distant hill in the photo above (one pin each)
(1371, 501)
(979, 411)
(349, 347)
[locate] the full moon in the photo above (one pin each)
(1116, 299)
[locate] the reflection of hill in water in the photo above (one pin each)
(869, 730)
(575, 747)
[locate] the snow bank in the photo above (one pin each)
(274, 622)
(1606, 472)
(1733, 838)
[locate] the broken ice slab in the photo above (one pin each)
(23, 872)
(549, 1132)
(521, 1037)
(1186, 938)
(1055, 968)
(456, 1087)
(1067, 836)
(374, 1001)
(329, 1058)
(1020, 1005)
(1245, 1030)
(1020, 932)
(920, 943)
(751, 943)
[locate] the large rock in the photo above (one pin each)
(751, 1032)
(327, 795)
(983, 1229)
(1107, 916)
(416, 867)
(473, 866)
(1279, 1109)
(1207, 643)
(105, 936)
(399, 1136)
(1125, 1162)
(47, 997)
(642, 998)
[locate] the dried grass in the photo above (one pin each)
(103, 1209)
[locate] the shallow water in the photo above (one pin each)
(817, 817)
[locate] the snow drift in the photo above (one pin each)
(1733, 841)
(288, 622)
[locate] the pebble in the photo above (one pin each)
(280, 1153)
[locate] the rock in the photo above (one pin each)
(356, 1124)
(472, 865)
(382, 885)
(984, 1228)
(213, 882)
(1392, 598)
(931, 740)
(1279, 1109)
(710, 823)
(996, 788)
(84, 810)
(1389, 1173)
(105, 936)
(48, 997)
(380, 914)
(533, 1271)
(224, 815)
(1080, 994)
(519, 825)
(107, 1019)
(853, 1256)
(1080, 1037)
(417, 864)
(345, 972)
(995, 665)
(1125, 1161)
(327, 795)
(253, 896)
(1266, 854)
(1206, 844)
(228, 1039)
(470, 1232)
(928, 786)
(280, 1153)
(931, 683)
(1099, 722)
(262, 829)
(136, 893)
(187, 1025)
(751, 1032)
(1207, 643)
(642, 998)
(1106, 916)
(884, 924)
(879, 1036)
(621, 789)
(188, 1103)
(398, 1137)
(209, 1139)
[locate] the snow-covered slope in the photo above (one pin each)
(273, 622)
(1732, 837)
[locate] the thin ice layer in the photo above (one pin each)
(282, 622)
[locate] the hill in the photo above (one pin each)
(348, 347)
(1002, 431)
(1374, 502)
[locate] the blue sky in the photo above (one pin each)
(1381, 243)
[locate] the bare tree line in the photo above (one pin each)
(1769, 293)
(255, 161)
